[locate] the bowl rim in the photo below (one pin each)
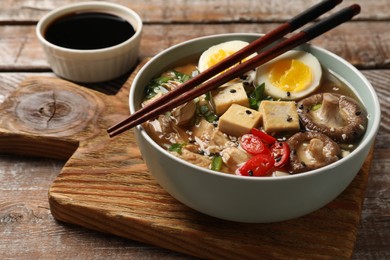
(365, 142)
(71, 8)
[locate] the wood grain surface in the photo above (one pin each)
(27, 228)
(105, 185)
(23, 52)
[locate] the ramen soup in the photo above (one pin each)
(288, 116)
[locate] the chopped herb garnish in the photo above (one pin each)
(156, 85)
(163, 79)
(207, 96)
(256, 96)
(216, 163)
(207, 113)
(315, 107)
(152, 90)
(176, 148)
(203, 109)
(181, 77)
(211, 117)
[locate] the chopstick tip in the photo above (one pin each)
(111, 135)
(356, 8)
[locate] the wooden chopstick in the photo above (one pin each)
(287, 27)
(181, 96)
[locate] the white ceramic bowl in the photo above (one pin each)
(248, 199)
(94, 65)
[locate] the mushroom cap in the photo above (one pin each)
(339, 117)
(311, 150)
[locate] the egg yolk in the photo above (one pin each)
(290, 75)
(217, 57)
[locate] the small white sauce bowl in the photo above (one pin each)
(95, 65)
(251, 199)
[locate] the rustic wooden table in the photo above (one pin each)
(27, 228)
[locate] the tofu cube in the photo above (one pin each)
(279, 116)
(239, 120)
(223, 97)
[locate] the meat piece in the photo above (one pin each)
(194, 158)
(164, 131)
(233, 156)
(203, 130)
(184, 114)
(209, 138)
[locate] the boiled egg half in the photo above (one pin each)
(219, 52)
(290, 76)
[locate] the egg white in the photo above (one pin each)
(230, 46)
(307, 58)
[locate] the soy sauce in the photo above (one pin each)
(89, 30)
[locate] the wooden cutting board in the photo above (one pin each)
(106, 186)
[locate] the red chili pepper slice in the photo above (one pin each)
(252, 144)
(266, 138)
(281, 153)
(258, 165)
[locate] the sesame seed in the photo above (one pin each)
(233, 91)
(288, 93)
(358, 113)
(248, 112)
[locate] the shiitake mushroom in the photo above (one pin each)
(337, 116)
(311, 150)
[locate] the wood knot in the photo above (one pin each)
(53, 110)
